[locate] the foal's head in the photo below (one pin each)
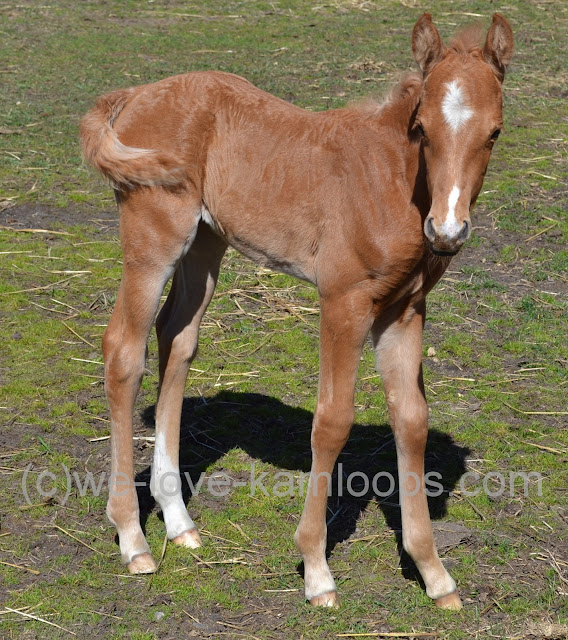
(459, 118)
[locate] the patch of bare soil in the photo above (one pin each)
(510, 275)
(38, 216)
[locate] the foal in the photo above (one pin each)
(368, 203)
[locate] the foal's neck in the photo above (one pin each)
(398, 112)
(395, 116)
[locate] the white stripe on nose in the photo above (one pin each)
(451, 227)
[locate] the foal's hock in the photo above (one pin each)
(368, 203)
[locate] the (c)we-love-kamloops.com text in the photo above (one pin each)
(47, 484)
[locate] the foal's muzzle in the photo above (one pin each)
(444, 242)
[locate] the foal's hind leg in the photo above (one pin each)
(156, 228)
(177, 327)
(398, 347)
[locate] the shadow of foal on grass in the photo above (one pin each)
(273, 432)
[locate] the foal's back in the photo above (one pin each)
(273, 178)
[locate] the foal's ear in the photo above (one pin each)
(427, 46)
(498, 48)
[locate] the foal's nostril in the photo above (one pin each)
(464, 233)
(429, 230)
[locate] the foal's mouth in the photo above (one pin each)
(444, 254)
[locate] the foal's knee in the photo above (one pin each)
(123, 362)
(111, 339)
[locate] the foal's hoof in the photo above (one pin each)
(142, 563)
(329, 599)
(189, 538)
(451, 601)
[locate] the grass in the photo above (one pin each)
(495, 348)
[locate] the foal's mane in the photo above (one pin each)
(397, 107)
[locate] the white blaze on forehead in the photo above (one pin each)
(454, 107)
(451, 227)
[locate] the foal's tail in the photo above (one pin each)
(124, 166)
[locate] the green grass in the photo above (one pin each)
(497, 323)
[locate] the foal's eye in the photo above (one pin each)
(420, 130)
(495, 135)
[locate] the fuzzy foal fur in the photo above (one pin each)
(368, 203)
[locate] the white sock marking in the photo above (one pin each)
(439, 585)
(165, 486)
(455, 110)
(132, 542)
(318, 579)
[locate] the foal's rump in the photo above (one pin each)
(158, 134)
(122, 164)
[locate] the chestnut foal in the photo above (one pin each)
(368, 203)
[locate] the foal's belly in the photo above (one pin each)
(284, 252)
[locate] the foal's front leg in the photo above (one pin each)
(345, 324)
(398, 348)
